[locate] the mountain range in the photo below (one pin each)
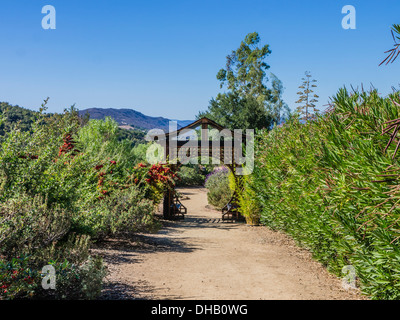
(129, 118)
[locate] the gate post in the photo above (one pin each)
(167, 205)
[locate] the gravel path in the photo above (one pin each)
(202, 257)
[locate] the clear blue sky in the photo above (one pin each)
(161, 57)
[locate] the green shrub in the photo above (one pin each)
(19, 280)
(61, 183)
(124, 211)
(191, 176)
(332, 184)
(249, 207)
(33, 235)
(217, 183)
(29, 224)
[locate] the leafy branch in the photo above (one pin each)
(394, 52)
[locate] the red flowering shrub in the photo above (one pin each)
(105, 182)
(154, 179)
(17, 280)
(93, 192)
(68, 147)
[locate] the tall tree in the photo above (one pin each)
(235, 112)
(307, 97)
(248, 102)
(245, 69)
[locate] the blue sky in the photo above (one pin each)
(161, 57)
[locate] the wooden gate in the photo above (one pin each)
(222, 146)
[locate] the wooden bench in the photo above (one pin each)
(178, 210)
(230, 211)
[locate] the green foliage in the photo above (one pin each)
(219, 192)
(134, 136)
(248, 103)
(245, 69)
(33, 235)
(63, 182)
(15, 115)
(28, 224)
(331, 185)
(249, 207)
(121, 212)
(235, 112)
(191, 175)
(19, 281)
(101, 139)
(395, 51)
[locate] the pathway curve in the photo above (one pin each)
(202, 257)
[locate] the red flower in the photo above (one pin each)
(113, 162)
(98, 167)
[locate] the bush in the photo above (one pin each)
(249, 207)
(332, 184)
(122, 212)
(18, 280)
(193, 175)
(28, 224)
(217, 183)
(61, 184)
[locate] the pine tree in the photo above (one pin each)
(307, 97)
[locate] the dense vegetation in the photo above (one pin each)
(63, 184)
(333, 184)
(192, 175)
(13, 115)
(219, 190)
(331, 181)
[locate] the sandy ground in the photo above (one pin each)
(202, 257)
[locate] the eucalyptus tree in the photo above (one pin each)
(247, 101)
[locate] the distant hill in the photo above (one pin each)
(15, 114)
(127, 118)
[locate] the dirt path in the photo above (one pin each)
(205, 258)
